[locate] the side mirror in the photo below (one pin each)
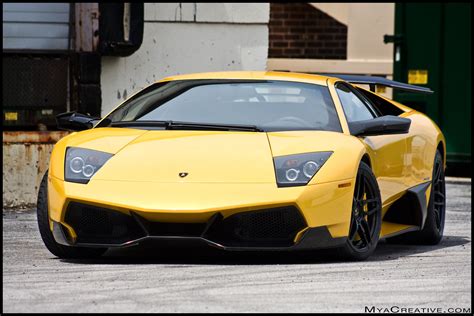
(383, 125)
(73, 121)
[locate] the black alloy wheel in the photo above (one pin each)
(364, 215)
(364, 231)
(439, 195)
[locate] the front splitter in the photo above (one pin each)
(313, 238)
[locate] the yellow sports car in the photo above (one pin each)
(247, 161)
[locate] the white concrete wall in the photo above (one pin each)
(187, 38)
(367, 23)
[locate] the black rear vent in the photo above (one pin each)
(98, 225)
(271, 227)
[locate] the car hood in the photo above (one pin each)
(192, 156)
(208, 156)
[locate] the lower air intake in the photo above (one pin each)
(271, 227)
(98, 225)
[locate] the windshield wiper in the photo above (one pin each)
(140, 124)
(209, 126)
(175, 125)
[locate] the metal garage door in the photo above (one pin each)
(36, 26)
(36, 58)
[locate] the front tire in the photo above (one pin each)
(43, 224)
(366, 217)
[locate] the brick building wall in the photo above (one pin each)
(299, 30)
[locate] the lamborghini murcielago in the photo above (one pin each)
(247, 161)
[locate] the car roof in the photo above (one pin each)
(253, 75)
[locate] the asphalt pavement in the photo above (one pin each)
(396, 278)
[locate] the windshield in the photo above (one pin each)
(266, 105)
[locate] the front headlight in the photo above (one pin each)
(295, 170)
(81, 164)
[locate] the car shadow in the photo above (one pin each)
(387, 251)
(147, 254)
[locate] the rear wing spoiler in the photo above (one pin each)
(380, 81)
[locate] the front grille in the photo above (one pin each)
(99, 225)
(270, 227)
(176, 229)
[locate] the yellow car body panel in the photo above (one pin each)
(231, 171)
(104, 139)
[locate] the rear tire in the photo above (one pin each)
(432, 232)
(43, 224)
(366, 217)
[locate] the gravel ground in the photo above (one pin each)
(141, 279)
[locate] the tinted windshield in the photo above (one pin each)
(268, 105)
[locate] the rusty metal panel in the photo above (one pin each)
(23, 168)
(33, 137)
(25, 160)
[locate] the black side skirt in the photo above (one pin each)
(411, 208)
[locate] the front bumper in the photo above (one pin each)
(315, 216)
(271, 229)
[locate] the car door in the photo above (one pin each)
(389, 156)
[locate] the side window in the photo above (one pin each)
(383, 106)
(354, 108)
